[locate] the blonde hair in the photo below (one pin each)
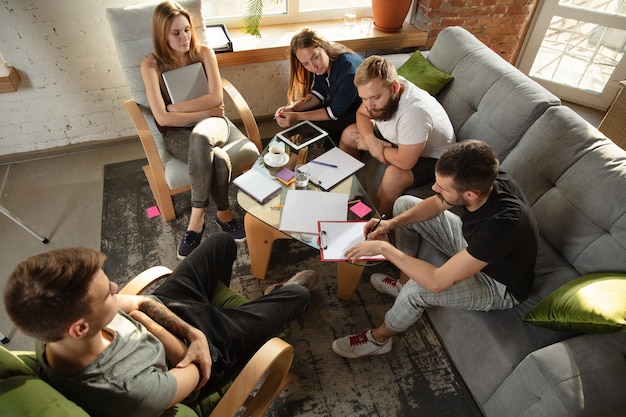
(300, 79)
(162, 18)
(375, 67)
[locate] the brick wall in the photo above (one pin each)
(500, 24)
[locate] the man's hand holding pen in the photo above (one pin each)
(375, 231)
(375, 227)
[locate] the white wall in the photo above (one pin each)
(72, 87)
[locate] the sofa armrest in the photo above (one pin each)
(581, 376)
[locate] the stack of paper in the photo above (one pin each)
(304, 208)
(332, 167)
(257, 185)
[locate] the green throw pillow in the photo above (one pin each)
(423, 74)
(594, 303)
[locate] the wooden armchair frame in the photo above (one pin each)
(154, 170)
(267, 372)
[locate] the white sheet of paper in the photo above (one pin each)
(327, 177)
(304, 208)
(337, 237)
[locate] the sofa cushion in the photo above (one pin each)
(581, 376)
(594, 303)
(423, 74)
(489, 99)
(573, 176)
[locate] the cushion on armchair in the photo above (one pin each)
(24, 394)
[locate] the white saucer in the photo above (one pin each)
(283, 160)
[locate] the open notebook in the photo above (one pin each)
(186, 83)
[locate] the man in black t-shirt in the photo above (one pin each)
(492, 247)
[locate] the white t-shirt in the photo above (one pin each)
(129, 378)
(419, 118)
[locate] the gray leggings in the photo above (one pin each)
(209, 165)
(479, 292)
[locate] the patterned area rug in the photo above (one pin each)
(415, 379)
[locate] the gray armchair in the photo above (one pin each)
(132, 31)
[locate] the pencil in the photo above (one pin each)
(353, 201)
(276, 207)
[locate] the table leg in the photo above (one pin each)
(348, 277)
(260, 237)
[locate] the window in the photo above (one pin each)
(577, 50)
(283, 11)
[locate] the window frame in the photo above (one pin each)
(293, 16)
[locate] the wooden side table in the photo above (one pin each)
(614, 123)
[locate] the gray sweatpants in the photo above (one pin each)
(479, 292)
(209, 165)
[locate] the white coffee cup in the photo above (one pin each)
(276, 154)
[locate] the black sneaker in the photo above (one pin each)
(232, 227)
(190, 241)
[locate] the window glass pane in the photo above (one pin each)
(317, 5)
(608, 6)
(579, 54)
(231, 9)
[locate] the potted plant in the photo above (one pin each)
(389, 15)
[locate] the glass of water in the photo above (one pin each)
(302, 176)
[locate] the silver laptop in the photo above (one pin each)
(186, 83)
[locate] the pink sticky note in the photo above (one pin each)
(153, 212)
(360, 209)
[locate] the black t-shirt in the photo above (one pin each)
(503, 232)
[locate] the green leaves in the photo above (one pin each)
(252, 18)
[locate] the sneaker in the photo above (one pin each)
(232, 227)
(385, 284)
(360, 344)
(306, 278)
(190, 241)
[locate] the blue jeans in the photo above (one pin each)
(234, 334)
(479, 292)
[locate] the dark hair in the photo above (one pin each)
(48, 292)
(472, 165)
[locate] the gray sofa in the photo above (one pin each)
(575, 179)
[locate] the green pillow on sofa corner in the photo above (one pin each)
(423, 74)
(594, 303)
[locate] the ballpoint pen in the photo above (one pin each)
(376, 225)
(323, 163)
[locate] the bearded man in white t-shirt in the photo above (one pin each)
(400, 125)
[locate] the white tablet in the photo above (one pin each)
(302, 134)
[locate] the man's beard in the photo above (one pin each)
(387, 111)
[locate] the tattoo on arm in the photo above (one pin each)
(166, 318)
